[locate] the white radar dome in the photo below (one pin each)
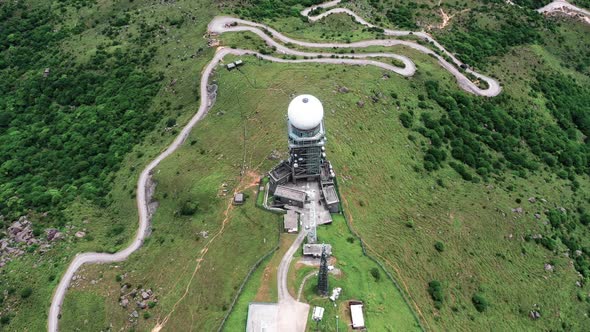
(305, 112)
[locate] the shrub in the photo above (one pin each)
(435, 291)
(119, 278)
(439, 246)
(480, 303)
(406, 119)
(25, 293)
(5, 320)
(376, 274)
(350, 239)
(188, 208)
(146, 315)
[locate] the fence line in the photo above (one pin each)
(389, 275)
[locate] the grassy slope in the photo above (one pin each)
(454, 214)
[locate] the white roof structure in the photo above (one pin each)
(318, 313)
(305, 112)
(356, 312)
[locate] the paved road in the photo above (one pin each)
(222, 24)
(292, 314)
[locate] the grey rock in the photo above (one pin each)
(537, 215)
(145, 295)
(80, 234)
(534, 314)
(343, 90)
(532, 199)
(124, 302)
(517, 210)
(135, 314)
(549, 267)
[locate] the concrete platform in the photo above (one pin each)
(263, 317)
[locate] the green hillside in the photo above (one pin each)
(478, 207)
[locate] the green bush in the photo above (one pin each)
(376, 274)
(406, 119)
(188, 208)
(5, 320)
(436, 293)
(439, 246)
(26, 292)
(480, 303)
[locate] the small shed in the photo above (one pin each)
(318, 314)
(291, 222)
(331, 197)
(239, 63)
(315, 249)
(230, 66)
(356, 314)
(239, 199)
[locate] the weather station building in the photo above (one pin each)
(307, 154)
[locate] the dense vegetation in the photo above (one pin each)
(63, 132)
(475, 39)
(488, 135)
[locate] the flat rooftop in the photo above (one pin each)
(290, 193)
(356, 313)
(315, 249)
(330, 195)
(263, 317)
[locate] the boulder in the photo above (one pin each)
(80, 234)
(124, 302)
(549, 267)
(53, 234)
(517, 210)
(537, 215)
(360, 103)
(534, 314)
(343, 89)
(145, 295)
(135, 314)
(532, 199)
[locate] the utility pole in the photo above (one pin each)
(323, 274)
(336, 323)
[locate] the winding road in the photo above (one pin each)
(225, 24)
